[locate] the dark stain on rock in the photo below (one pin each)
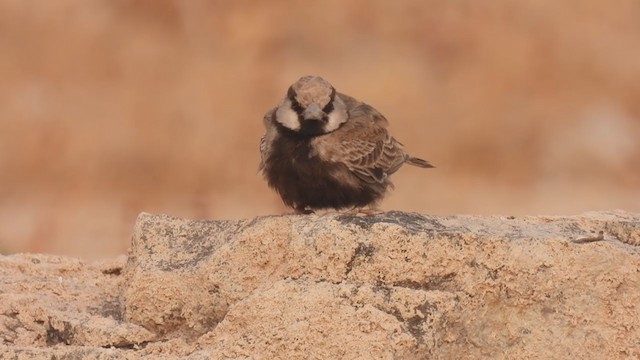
(436, 282)
(109, 308)
(415, 324)
(115, 271)
(396, 313)
(413, 223)
(363, 251)
(384, 289)
(57, 336)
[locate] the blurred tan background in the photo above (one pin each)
(112, 107)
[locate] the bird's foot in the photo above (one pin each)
(363, 211)
(303, 211)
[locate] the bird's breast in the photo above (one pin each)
(302, 178)
(295, 158)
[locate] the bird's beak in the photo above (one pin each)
(313, 112)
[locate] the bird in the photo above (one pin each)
(323, 149)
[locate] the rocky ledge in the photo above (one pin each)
(390, 286)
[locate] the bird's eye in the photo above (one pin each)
(295, 106)
(328, 108)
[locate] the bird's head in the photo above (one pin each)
(311, 107)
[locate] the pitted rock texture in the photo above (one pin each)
(390, 286)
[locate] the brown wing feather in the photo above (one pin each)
(371, 153)
(265, 140)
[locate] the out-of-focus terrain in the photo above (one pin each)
(109, 108)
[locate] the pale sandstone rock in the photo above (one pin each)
(52, 302)
(390, 286)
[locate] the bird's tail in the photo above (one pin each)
(418, 162)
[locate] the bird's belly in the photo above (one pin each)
(305, 181)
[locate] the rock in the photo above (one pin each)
(53, 302)
(394, 285)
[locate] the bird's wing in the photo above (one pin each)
(369, 151)
(263, 149)
(265, 140)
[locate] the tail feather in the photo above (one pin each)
(418, 162)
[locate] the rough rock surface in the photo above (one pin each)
(390, 286)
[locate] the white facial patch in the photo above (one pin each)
(286, 116)
(338, 116)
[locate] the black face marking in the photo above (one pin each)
(291, 94)
(295, 105)
(312, 127)
(329, 107)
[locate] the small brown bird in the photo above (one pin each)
(323, 149)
